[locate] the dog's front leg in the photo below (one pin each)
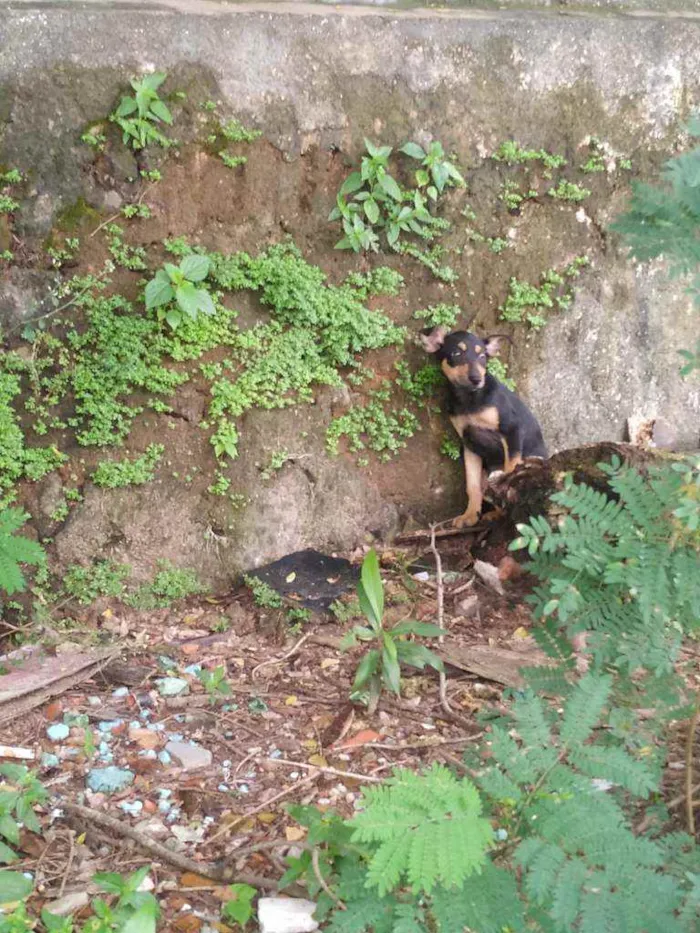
(473, 469)
(512, 449)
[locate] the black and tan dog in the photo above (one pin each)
(496, 427)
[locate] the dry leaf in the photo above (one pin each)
(291, 701)
(521, 632)
(191, 880)
(294, 833)
(329, 662)
(309, 744)
(267, 817)
(361, 738)
(318, 761)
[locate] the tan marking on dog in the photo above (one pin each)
(486, 418)
(462, 346)
(512, 462)
(478, 348)
(473, 470)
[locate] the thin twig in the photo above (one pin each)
(285, 657)
(69, 863)
(464, 740)
(322, 881)
(176, 859)
(336, 772)
(690, 741)
(444, 703)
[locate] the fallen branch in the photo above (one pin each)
(444, 703)
(415, 537)
(211, 870)
(336, 772)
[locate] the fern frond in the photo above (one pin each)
(428, 828)
(614, 764)
(486, 903)
(584, 707)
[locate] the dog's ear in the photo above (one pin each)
(433, 339)
(492, 344)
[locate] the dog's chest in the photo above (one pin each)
(486, 418)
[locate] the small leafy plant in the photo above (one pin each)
(381, 665)
(16, 550)
(215, 683)
(436, 171)
(139, 114)
(17, 798)
(239, 907)
(377, 202)
(113, 474)
(174, 294)
(263, 594)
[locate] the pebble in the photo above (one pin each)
(69, 904)
(489, 575)
(164, 757)
(468, 607)
(131, 806)
(109, 725)
(94, 701)
(120, 692)
(58, 731)
(109, 780)
(144, 738)
(193, 669)
(190, 757)
(49, 761)
(172, 686)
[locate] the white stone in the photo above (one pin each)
(286, 915)
(190, 757)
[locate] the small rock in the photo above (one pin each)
(109, 726)
(120, 692)
(112, 200)
(422, 577)
(488, 574)
(109, 780)
(154, 828)
(144, 738)
(193, 669)
(65, 906)
(131, 806)
(286, 915)
(49, 761)
(509, 569)
(190, 757)
(172, 686)
(58, 732)
(186, 834)
(94, 701)
(164, 757)
(468, 607)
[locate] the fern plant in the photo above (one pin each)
(622, 567)
(553, 851)
(16, 550)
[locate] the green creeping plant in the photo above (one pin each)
(173, 293)
(138, 114)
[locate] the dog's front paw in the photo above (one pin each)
(469, 518)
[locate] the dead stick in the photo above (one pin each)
(336, 772)
(690, 741)
(176, 859)
(441, 616)
(285, 657)
(411, 537)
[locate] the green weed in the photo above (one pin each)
(114, 474)
(526, 303)
(168, 586)
(263, 594)
(569, 191)
(139, 114)
(102, 578)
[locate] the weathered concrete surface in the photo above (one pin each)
(312, 76)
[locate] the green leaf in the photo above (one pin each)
(418, 656)
(413, 627)
(173, 317)
(240, 907)
(128, 105)
(366, 668)
(371, 587)
(387, 183)
(206, 302)
(14, 886)
(352, 183)
(187, 297)
(110, 881)
(391, 670)
(153, 81)
(143, 921)
(195, 267)
(9, 829)
(7, 856)
(158, 291)
(422, 177)
(372, 210)
(159, 110)
(413, 150)
(583, 709)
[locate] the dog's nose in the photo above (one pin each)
(475, 379)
